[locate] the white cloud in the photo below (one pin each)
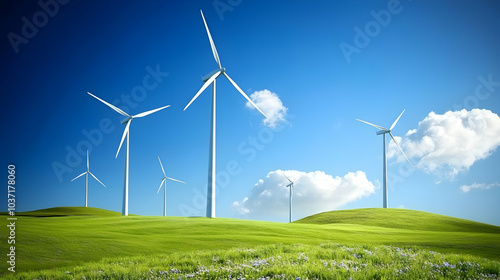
(271, 105)
(450, 143)
(313, 192)
(239, 206)
(483, 186)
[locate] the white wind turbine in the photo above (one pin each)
(86, 173)
(164, 180)
(126, 133)
(384, 131)
(210, 79)
(291, 193)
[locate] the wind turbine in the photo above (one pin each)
(165, 189)
(126, 133)
(86, 173)
(384, 131)
(291, 194)
(210, 79)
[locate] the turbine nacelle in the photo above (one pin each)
(127, 120)
(209, 75)
(384, 130)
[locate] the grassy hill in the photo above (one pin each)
(69, 211)
(71, 236)
(399, 219)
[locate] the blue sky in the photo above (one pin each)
(429, 56)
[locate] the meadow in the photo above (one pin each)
(89, 243)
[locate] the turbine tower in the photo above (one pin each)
(291, 193)
(210, 79)
(86, 173)
(384, 131)
(165, 188)
(127, 121)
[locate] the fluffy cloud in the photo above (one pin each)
(484, 186)
(450, 143)
(313, 192)
(271, 105)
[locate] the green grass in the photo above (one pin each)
(278, 261)
(69, 237)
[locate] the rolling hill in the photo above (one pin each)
(71, 236)
(69, 211)
(399, 219)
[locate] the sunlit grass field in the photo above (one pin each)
(75, 242)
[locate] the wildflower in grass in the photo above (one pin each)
(202, 269)
(174, 270)
(446, 264)
(259, 263)
(343, 265)
(303, 256)
(357, 256)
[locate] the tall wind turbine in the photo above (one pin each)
(384, 131)
(127, 120)
(291, 193)
(164, 180)
(86, 173)
(210, 79)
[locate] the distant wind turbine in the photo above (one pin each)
(86, 173)
(291, 193)
(384, 131)
(210, 79)
(164, 180)
(126, 133)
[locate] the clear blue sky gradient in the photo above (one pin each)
(427, 58)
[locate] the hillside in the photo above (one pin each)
(399, 219)
(68, 236)
(69, 211)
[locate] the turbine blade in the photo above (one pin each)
(162, 167)
(88, 161)
(396, 121)
(242, 93)
(162, 180)
(205, 85)
(286, 177)
(120, 111)
(125, 132)
(374, 125)
(395, 142)
(96, 179)
(175, 180)
(79, 176)
(214, 50)
(149, 112)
